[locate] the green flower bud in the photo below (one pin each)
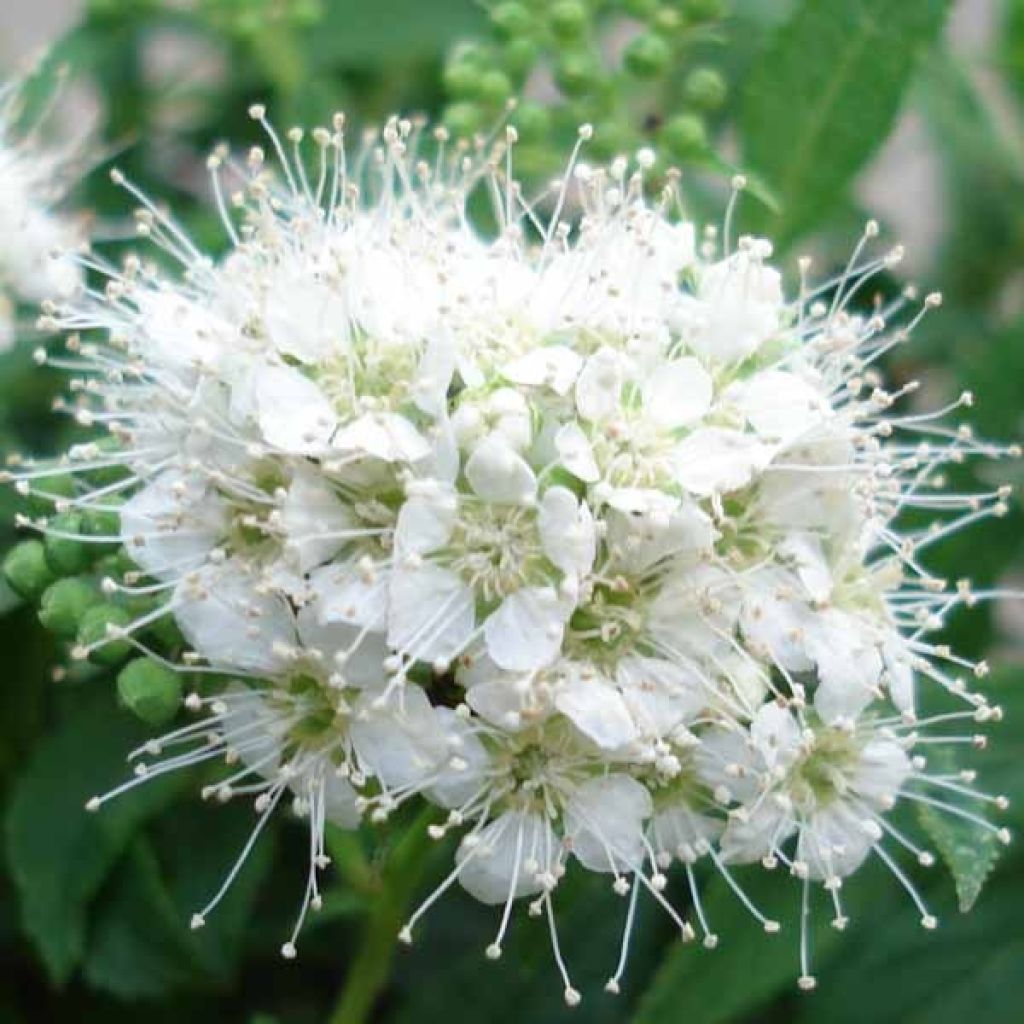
(150, 690)
(684, 136)
(705, 88)
(67, 556)
(461, 78)
(511, 19)
(64, 603)
(95, 629)
(568, 18)
(532, 121)
(27, 570)
(648, 55)
(578, 73)
(463, 119)
(520, 55)
(494, 87)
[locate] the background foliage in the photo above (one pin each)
(94, 909)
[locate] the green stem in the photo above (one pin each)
(369, 972)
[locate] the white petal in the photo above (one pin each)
(172, 524)
(385, 436)
(509, 858)
(597, 709)
(659, 694)
(497, 473)
(401, 743)
(833, 842)
(881, 770)
(576, 454)
(553, 366)
(525, 631)
(294, 414)
(599, 386)
(715, 460)
(232, 625)
(679, 831)
(567, 531)
(432, 613)
(779, 406)
(343, 594)
(425, 523)
(347, 650)
(313, 516)
(604, 819)
(764, 829)
(466, 769)
(677, 393)
(305, 318)
(340, 805)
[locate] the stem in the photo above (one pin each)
(370, 970)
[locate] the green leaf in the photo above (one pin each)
(139, 947)
(969, 968)
(968, 850)
(60, 854)
(357, 34)
(142, 945)
(824, 95)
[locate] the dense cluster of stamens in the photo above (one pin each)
(579, 530)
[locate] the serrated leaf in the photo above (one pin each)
(969, 851)
(824, 95)
(60, 854)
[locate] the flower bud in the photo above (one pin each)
(494, 87)
(568, 19)
(511, 19)
(578, 72)
(705, 88)
(684, 136)
(27, 570)
(94, 629)
(150, 690)
(648, 55)
(64, 603)
(65, 555)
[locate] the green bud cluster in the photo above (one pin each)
(67, 572)
(625, 98)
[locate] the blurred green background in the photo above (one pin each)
(911, 111)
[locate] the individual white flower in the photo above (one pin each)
(496, 547)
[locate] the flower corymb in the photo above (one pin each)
(577, 526)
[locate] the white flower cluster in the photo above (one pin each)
(36, 261)
(581, 531)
